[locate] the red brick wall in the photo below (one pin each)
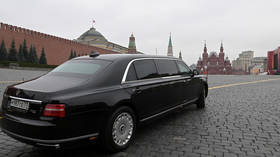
(57, 49)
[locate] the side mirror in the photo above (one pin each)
(195, 72)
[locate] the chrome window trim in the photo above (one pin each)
(24, 99)
(128, 66)
(167, 77)
(151, 80)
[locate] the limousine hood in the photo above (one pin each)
(50, 84)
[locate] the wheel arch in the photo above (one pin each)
(205, 85)
(129, 104)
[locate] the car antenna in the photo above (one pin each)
(94, 54)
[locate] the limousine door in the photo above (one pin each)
(147, 90)
(189, 89)
(149, 98)
(195, 84)
(172, 89)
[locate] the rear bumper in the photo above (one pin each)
(49, 143)
(44, 133)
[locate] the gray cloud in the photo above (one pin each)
(242, 25)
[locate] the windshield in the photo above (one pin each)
(86, 67)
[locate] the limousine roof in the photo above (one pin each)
(113, 57)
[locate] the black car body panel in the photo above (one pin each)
(90, 99)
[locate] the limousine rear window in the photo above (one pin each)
(166, 67)
(145, 69)
(87, 67)
(131, 75)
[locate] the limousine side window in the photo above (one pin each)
(183, 68)
(166, 67)
(131, 75)
(145, 69)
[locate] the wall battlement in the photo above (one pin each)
(11, 28)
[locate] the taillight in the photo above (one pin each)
(54, 110)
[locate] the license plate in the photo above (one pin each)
(19, 104)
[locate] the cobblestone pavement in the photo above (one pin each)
(237, 121)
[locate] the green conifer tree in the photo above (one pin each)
(12, 52)
(71, 54)
(3, 52)
(35, 57)
(20, 54)
(30, 54)
(75, 55)
(43, 59)
(25, 51)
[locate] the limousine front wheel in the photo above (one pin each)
(120, 129)
(201, 100)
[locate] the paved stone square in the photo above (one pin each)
(241, 120)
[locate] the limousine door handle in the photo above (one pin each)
(137, 90)
(175, 82)
(183, 81)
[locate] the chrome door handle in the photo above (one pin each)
(137, 90)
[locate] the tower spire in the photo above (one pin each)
(205, 48)
(170, 42)
(170, 47)
(180, 55)
(222, 47)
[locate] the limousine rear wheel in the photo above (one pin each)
(120, 129)
(201, 100)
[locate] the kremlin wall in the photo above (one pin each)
(57, 49)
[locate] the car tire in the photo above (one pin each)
(201, 100)
(120, 130)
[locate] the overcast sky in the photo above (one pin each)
(240, 24)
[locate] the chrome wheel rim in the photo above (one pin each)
(122, 129)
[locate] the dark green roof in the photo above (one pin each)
(92, 33)
(170, 43)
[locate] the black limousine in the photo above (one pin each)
(99, 97)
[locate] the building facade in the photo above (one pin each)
(273, 61)
(258, 65)
(243, 62)
(258, 61)
(214, 63)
